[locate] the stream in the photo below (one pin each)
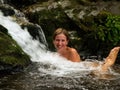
(49, 71)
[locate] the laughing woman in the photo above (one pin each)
(61, 40)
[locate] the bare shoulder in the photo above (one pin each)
(75, 57)
(72, 50)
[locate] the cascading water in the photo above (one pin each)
(51, 70)
(1, 1)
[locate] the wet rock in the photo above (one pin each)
(11, 55)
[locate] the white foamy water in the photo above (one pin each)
(56, 65)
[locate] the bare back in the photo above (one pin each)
(71, 54)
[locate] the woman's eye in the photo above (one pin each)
(57, 40)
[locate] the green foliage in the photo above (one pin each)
(110, 30)
(101, 32)
(11, 53)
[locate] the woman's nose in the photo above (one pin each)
(59, 42)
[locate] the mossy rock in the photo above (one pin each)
(10, 52)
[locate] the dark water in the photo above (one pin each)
(33, 79)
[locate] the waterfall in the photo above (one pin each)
(23, 38)
(1, 1)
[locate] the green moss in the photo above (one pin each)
(12, 60)
(11, 52)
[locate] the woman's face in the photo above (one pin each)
(60, 41)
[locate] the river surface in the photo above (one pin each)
(35, 79)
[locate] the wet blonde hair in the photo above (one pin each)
(59, 31)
